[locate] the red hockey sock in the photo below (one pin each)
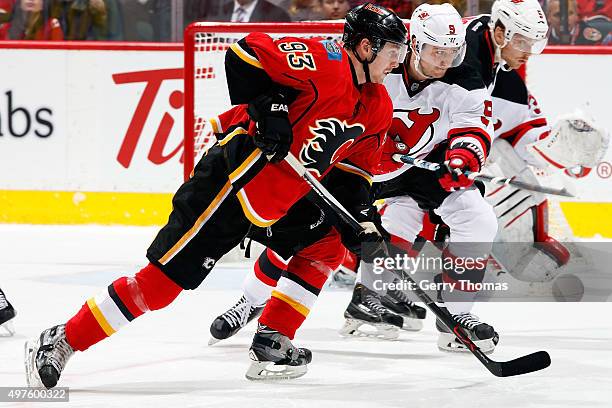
(124, 300)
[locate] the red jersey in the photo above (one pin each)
(335, 122)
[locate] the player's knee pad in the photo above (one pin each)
(469, 217)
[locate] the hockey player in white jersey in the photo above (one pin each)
(442, 113)
(7, 314)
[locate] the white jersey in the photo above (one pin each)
(429, 113)
(518, 118)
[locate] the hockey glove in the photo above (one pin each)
(370, 243)
(274, 134)
(459, 158)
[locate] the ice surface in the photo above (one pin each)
(162, 360)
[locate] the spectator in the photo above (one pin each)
(334, 9)
(147, 20)
(304, 10)
(83, 19)
(32, 20)
(242, 11)
(6, 10)
(592, 31)
(590, 8)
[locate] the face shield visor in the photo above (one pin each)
(442, 57)
(525, 44)
(393, 52)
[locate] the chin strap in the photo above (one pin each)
(365, 64)
(498, 57)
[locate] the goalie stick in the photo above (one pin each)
(423, 164)
(522, 365)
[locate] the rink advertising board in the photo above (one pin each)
(92, 133)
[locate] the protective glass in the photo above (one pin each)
(393, 52)
(524, 44)
(442, 57)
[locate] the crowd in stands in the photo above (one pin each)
(589, 22)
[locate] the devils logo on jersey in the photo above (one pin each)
(331, 138)
(421, 129)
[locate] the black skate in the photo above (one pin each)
(46, 356)
(397, 301)
(275, 358)
(366, 309)
(7, 313)
(482, 334)
(230, 322)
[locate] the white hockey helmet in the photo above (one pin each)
(525, 24)
(439, 35)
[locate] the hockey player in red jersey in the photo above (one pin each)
(309, 97)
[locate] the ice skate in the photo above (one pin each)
(7, 313)
(482, 334)
(230, 322)
(366, 310)
(46, 356)
(273, 357)
(397, 301)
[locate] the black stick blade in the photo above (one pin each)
(523, 365)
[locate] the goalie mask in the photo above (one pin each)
(437, 37)
(524, 23)
(575, 140)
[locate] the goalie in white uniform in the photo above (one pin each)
(524, 143)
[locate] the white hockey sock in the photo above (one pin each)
(255, 291)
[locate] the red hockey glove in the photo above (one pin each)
(458, 159)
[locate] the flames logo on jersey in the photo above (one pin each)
(420, 132)
(331, 138)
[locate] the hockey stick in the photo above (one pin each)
(522, 365)
(323, 194)
(423, 164)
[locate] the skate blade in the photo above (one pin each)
(412, 324)
(7, 329)
(448, 343)
(32, 377)
(352, 328)
(212, 341)
(268, 371)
